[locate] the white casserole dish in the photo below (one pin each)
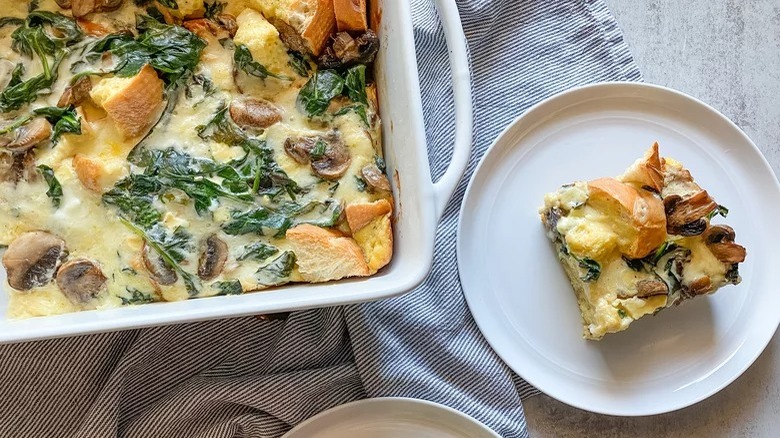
(418, 202)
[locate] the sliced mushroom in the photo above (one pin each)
(299, 149)
(375, 178)
(254, 113)
(76, 93)
(719, 233)
(700, 286)
(227, 22)
(290, 36)
(651, 288)
(80, 280)
(17, 167)
(157, 267)
(30, 135)
(81, 8)
(333, 164)
(32, 259)
(212, 259)
(64, 4)
(346, 51)
(728, 252)
(681, 211)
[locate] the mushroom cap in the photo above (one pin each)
(30, 135)
(32, 259)
(212, 259)
(80, 280)
(254, 113)
(159, 271)
(375, 177)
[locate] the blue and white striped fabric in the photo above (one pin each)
(253, 378)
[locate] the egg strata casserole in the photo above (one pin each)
(642, 242)
(174, 149)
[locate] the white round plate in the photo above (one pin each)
(391, 418)
(521, 299)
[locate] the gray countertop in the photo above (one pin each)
(726, 53)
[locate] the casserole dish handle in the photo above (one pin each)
(461, 88)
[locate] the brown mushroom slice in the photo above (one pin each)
(680, 212)
(17, 167)
(64, 4)
(335, 160)
(80, 8)
(651, 288)
(76, 93)
(728, 252)
(157, 267)
(719, 233)
(227, 22)
(212, 259)
(254, 113)
(32, 259)
(30, 135)
(375, 178)
(299, 149)
(700, 286)
(346, 51)
(80, 280)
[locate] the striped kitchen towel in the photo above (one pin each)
(252, 378)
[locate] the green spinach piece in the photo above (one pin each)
(279, 219)
(299, 63)
(319, 149)
(635, 264)
(355, 84)
(315, 96)
(243, 60)
(278, 271)
(171, 248)
(170, 4)
(592, 269)
(55, 188)
(62, 119)
(232, 287)
(136, 297)
(361, 184)
(133, 196)
(257, 251)
(222, 129)
(359, 109)
(720, 210)
(212, 9)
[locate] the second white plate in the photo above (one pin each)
(521, 299)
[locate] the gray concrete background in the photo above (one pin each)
(726, 53)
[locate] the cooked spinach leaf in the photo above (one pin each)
(243, 60)
(720, 210)
(635, 264)
(222, 129)
(232, 287)
(319, 149)
(55, 188)
(170, 4)
(622, 313)
(278, 220)
(359, 109)
(380, 163)
(212, 9)
(299, 63)
(278, 271)
(592, 269)
(171, 247)
(361, 184)
(10, 21)
(355, 84)
(257, 251)
(136, 297)
(133, 196)
(315, 96)
(62, 119)
(172, 50)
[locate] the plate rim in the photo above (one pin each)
(531, 111)
(382, 400)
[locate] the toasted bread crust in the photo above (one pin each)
(643, 211)
(135, 108)
(88, 171)
(324, 255)
(351, 15)
(360, 215)
(647, 171)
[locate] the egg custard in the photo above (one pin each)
(639, 243)
(166, 150)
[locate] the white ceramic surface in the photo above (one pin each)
(418, 201)
(391, 418)
(521, 299)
